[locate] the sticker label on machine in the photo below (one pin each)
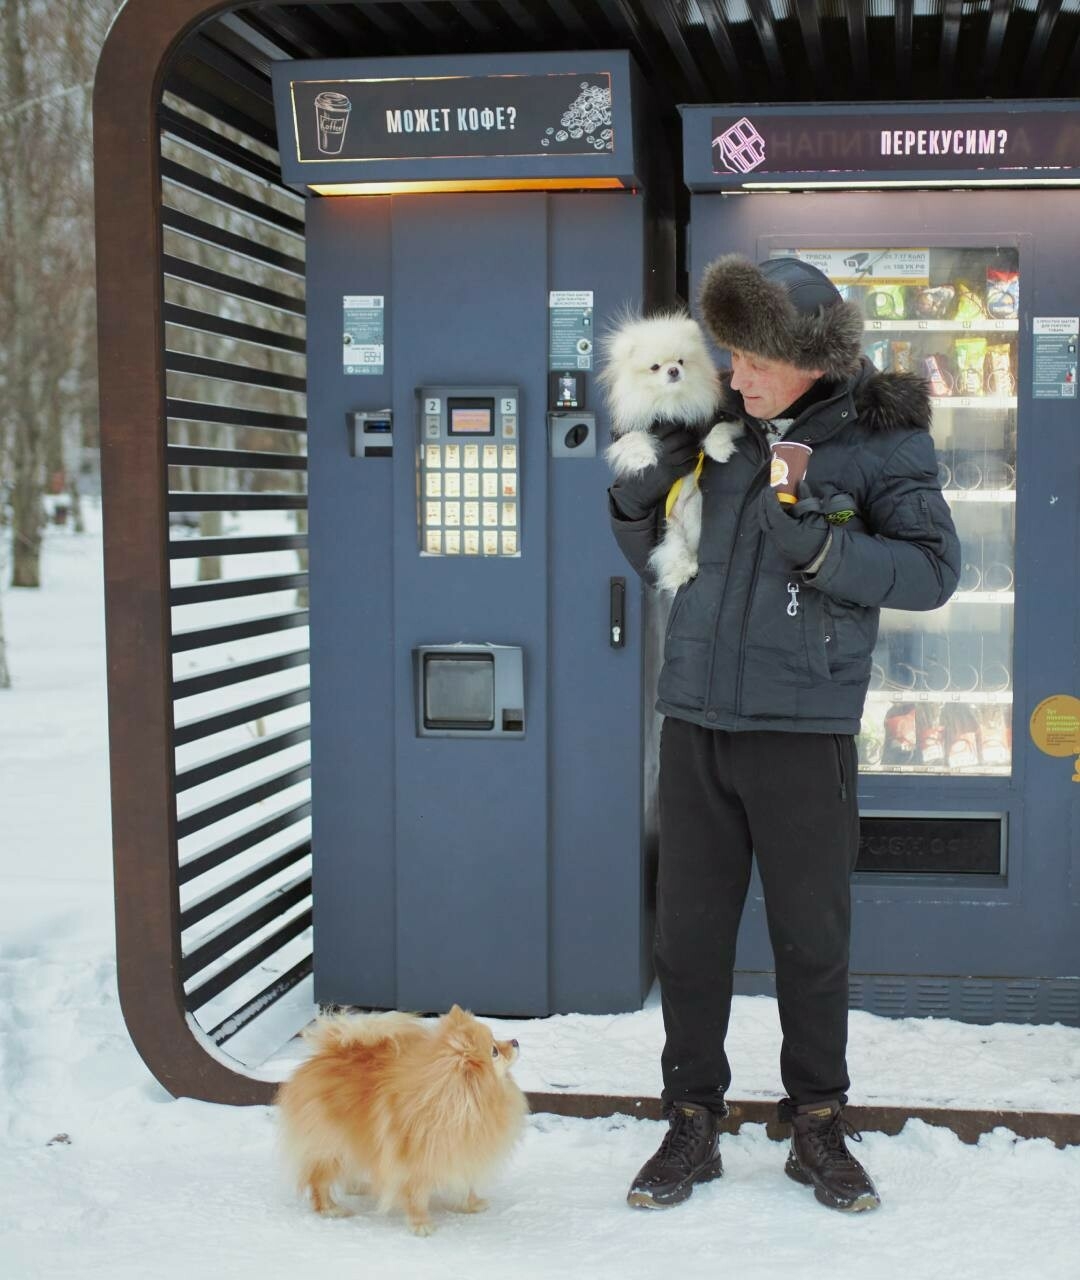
(1053, 370)
(867, 266)
(363, 345)
(469, 487)
(570, 329)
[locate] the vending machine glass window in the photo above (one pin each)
(940, 698)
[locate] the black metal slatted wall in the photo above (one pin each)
(234, 339)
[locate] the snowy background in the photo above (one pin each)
(102, 1173)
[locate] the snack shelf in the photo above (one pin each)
(943, 326)
(981, 697)
(936, 770)
(983, 597)
(974, 402)
(979, 495)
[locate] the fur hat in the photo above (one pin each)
(784, 309)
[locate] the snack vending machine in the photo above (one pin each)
(482, 822)
(944, 223)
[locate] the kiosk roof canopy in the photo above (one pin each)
(692, 51)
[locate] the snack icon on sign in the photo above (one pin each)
(741, 147)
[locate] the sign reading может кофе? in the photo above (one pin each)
(746, 142)
(447, 117)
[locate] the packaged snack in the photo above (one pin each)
(995, 734)
(969, 305)
(961, 736)
(999, 374)
(886, 302)
(932, 303)
(901, 356)
(941, 383)
(900, 734)
(1002, 293)
(969, 355)
(878, 353)
(930, 734)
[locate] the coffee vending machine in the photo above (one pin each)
(948, 224)
(482, 817)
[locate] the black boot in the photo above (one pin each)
(820, 1159)
(689, 1153)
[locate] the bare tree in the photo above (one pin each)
(47, 56)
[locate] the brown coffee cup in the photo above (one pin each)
(788, 466)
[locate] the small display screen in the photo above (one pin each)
(471, 417)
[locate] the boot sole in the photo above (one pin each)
(861, 1204)
(682, 1192)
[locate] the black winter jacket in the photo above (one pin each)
(742, 649)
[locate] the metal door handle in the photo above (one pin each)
(617, 632)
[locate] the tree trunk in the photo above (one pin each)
(5, 674)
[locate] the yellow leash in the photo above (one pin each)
(673, 492)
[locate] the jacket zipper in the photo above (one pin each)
(752, 490)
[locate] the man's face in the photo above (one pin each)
(768, 386)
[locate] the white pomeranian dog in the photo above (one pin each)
(658, 369)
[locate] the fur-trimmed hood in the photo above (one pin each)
(783, 309)
(884, 401)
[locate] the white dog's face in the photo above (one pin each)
(660, 367)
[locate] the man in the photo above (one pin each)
(766, 665)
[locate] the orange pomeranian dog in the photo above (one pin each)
(401, 1107)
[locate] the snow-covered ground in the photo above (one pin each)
(103, 1174)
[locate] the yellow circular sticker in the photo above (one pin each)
(1055, 725)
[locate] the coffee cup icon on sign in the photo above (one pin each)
(331, 118)
(741, 147)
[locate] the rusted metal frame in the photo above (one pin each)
(209, 725)
(182, 455)
(217, 855)
(186, 224)
(233, 673)
(234, 286)
(809, 17)
(230, 500)
(237, 374)
(1046, 15)
(951, 16)
(130, 294)
(903, 43)
(243, 882)
(231, 934)
(205, 322)
(229, 761)
(205, 637)
(223, 152)
(1062, 1128)
(762, 18)
(258, 1004)
(188, 179)
(234, 588)
(229, 415)
(716, 26)
(858, 46)
(243, 964)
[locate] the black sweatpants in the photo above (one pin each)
(790, 800)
